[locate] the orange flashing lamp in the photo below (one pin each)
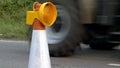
(46, 13)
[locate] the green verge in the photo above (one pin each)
(12, 19)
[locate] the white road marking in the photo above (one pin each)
(12, 41)
(113, 64)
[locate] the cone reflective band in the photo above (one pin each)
(46, 14)
(39, 52)
(42, 15)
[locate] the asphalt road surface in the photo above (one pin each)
(14, 54)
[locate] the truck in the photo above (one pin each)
(93, 22)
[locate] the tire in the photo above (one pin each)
(64, 35)
(102, 44)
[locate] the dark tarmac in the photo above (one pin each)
(14, 54)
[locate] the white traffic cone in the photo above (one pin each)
(39, 52)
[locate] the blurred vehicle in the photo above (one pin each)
(93, 22)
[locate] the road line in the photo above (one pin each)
(113, 64)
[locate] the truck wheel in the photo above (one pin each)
(64, 35)
(102, 44)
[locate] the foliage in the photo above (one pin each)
(12, 18)
(14, 9)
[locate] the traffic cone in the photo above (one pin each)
(39, 53)
(42, 15)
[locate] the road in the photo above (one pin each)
(14, 54)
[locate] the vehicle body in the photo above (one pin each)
(93, 22)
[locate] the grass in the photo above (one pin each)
(12, 19)
(13, 30)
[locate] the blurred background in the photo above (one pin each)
(93, 22)
(86, 34)
(12, 18)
